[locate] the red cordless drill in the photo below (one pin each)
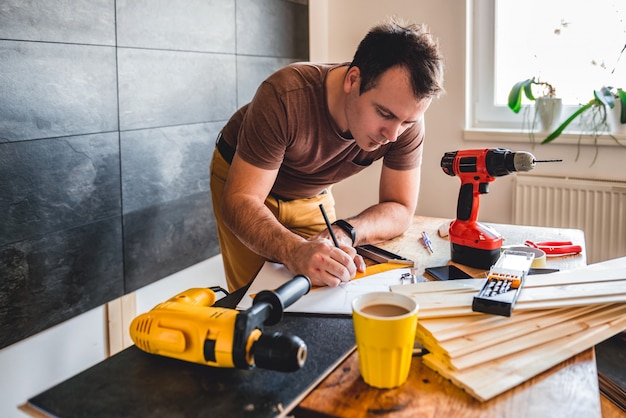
(472, 243)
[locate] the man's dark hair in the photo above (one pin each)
(411, 46)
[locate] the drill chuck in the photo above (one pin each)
(280, 352)
(501, 162)
(523, 161)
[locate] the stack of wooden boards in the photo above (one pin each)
(557, 316)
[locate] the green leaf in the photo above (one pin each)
(559, 130)
(528, 89)
(515, 95)
(621, 95)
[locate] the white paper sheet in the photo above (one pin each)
(322, 300)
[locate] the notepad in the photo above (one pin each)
(327, 300)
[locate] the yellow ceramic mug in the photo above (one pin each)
(384, 326)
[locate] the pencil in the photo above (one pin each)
(330, 228)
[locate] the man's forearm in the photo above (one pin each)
(259, 230)
(381, 222)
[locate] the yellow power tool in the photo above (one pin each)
(188, 327)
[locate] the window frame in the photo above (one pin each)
(484, 119)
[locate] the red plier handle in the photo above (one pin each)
(556, 247)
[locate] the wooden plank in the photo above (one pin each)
(129, 311)
(114, 326)
(120, 313)
(532, 282)
(542, 294)
(449, 328)
(545, 356)
(493, 378)
(609, 408)
(524, 342)
(434, 305)
(448, 313)
(432, 332)
(490, 337)
(33, 411)
(570, 302)
(571, 291)
(444, 312)
(610, 270)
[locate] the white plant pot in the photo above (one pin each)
(549, 112)
(613, 118)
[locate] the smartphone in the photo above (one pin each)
(447, 273)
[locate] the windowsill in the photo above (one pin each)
(512, 135)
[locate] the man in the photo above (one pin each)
(310, 126)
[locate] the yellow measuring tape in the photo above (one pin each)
(371, 270)
(379, 268)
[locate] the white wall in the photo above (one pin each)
(35, 364)
(347, 21)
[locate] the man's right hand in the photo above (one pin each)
(323, 263)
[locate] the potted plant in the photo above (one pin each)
(547, 105)
(595, 113)
(599, 110)
(617, 118)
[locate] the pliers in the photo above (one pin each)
(556, 247)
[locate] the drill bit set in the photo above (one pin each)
(504, 283)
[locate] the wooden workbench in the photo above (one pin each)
(567, 390)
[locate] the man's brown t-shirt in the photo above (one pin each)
(288, 126)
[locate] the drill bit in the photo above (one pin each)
(547, 161)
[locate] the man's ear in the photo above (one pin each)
(352, 80)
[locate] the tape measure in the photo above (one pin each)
(379, 268)
(540, 256)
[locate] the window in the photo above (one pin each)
(575, 45)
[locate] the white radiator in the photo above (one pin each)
(597, 207)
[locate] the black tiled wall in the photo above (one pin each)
(109, 111)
